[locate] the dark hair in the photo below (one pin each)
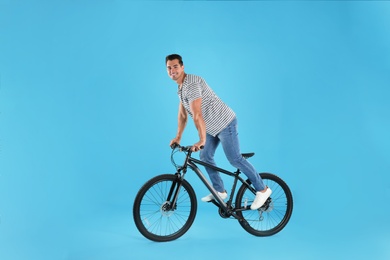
(174, 57)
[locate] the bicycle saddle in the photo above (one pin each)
(247, 155)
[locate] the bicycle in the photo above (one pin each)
(165, 207)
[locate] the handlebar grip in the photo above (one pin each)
(174, 145)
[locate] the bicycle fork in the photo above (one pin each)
(173, 193)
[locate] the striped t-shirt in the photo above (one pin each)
(216, 114)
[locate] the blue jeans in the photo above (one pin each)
(228, 137)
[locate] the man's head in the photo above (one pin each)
(174, 57)
(175, 67)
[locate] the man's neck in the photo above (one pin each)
(181, 80)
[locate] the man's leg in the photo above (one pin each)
(231, 147)
(230, 143)
(207, 155)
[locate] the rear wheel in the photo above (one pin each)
(155, 215)
(274, 215)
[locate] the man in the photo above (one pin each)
(216, 123)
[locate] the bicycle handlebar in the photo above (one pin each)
(183, 148)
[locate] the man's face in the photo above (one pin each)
(174, 69)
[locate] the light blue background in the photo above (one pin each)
(87, 112)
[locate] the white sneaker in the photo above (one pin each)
(261, 198)
(210, 197)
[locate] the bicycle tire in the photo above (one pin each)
(149, 210)
(274, 215)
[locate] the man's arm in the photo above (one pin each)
(181, 124)
(196, 109)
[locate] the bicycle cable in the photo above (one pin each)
(174, 151)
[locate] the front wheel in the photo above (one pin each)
(157, 216)
(274, 215)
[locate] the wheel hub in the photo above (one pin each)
(269, 205)
(166, 209)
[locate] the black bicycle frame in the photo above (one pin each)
(192, 163)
